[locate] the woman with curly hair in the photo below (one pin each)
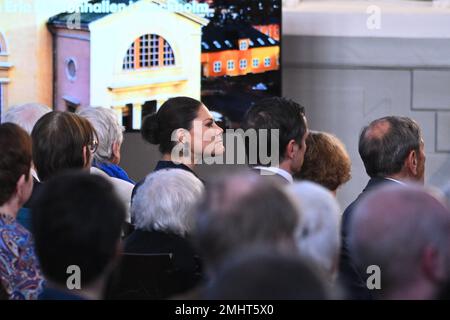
(326, 161)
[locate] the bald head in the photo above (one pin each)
(393, 227)
(378, 129)
(243, 210)
(386, 143)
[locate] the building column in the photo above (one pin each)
(137, 116)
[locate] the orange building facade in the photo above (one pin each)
(271, 30)
(238, 63)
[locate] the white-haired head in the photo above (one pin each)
(26, 115)
(109, 132)
(165, 201)
(317, 233)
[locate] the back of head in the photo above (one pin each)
(15, 159)
(385, 144)
(176, 113)
(108, 130)
(317, 233)
(240, 211)
(26, 115)
(393, 228)
(166, 200)
(265, 275)
(280, 114)
(326, 161)
(77, 221)
(58, 142)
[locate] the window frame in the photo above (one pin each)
(149, 51)
(233, 63)
(243, 45)
(219, 68)
(241, 67)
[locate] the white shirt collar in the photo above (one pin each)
(398, 181)
(34, 174)
(281, 172)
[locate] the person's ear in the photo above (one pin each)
(116, 153)
(21, 188)
(181, 136)
(291, 149)
(412, 162)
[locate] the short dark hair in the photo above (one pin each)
(175, 113)
(77, 220)
(277, 113)
(326, 161)
(15, 158)
(226, 223)
(384, 151)
(58, 141)
(265, 275)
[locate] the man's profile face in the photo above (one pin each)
(301, 151)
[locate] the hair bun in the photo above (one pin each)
(150, 129)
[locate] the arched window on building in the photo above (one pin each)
(149, 51)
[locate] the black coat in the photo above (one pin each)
(354, 282)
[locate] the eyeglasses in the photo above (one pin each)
(93, 146)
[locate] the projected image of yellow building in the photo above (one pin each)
(26, 70)
(132, 60)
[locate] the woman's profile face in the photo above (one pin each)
(206, 135)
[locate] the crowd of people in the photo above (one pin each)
(72, 220)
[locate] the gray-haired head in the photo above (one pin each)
(405, 232)
(386, 143)
(26, 115)
(317, 233)
(108, 129)
(166, 200)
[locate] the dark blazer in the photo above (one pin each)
(185, 261)
(160, 166)
(354, 282)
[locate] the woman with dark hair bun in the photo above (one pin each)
(186, 134)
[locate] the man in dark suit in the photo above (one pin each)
(392, 150)
(284, 124)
